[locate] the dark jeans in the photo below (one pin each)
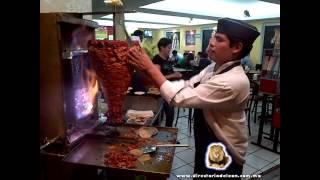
(203, 137)
(200, 168)
(169, 110)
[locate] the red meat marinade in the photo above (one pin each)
(110, 62)
(120, 159)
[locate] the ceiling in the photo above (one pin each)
(173, 13)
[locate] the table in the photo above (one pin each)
(186, 73)
(253, 74)
(144, 102)
(181, 70)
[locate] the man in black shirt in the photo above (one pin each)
(162, 63)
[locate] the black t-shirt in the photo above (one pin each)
(165, 65)
(203, 63)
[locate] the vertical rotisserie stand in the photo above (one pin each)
(64, 81)
(71, 143)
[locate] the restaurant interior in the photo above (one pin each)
(77, 92)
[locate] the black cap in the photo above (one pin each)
(238, 29)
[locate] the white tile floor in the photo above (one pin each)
(186, 155)
(255, 161)
(258, 159)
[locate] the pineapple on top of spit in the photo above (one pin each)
(114, 2)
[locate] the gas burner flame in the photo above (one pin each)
(84, 100)
(85, 93)
(85, 97)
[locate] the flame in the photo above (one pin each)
(86, 91)
(85, 97)
(92, 92)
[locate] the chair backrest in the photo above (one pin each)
(254, 87)
(258, 67)
(250, 76)
(269, 85)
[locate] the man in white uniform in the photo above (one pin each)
(218, 93)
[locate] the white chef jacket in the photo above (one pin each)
(222, 97)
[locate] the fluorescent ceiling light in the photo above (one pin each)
(220, 8)
(134, 25)
(165, 19)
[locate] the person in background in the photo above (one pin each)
(219, 94)
(197, 58)
(138, 78)
(189, 61)
(182, 61)
(246, 63)
(174, 58)
(195, 62)
(162, 63)
(139, 34)
(204, 61)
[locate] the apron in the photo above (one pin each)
(204, 136)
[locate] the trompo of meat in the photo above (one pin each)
(110, 62)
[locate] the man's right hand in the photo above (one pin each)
(139, 59)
